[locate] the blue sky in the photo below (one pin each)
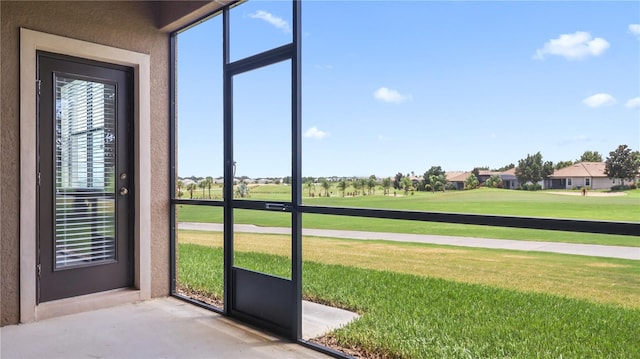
(402, 86)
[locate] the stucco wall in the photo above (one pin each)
(601, 183)
(128, 25)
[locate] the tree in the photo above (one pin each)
(471, 182)
(622, 164)
(436, 171)
(363, 185)
(191, 187)
(407, 184)
(209, 182)
(506, 168)
(437, 182)
(309, 183)
(356, 186)
(202, 184)
(397, 179)
(495, 181)
(326, 185)
(476, 170)
(530, 169)
(342, 186)
(386, 185)
(590, 156)
(371, 184)
(563, 164)
(367, 186)
(243, 190)
(180, 184)
(547, 169)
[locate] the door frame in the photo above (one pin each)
(285, 301)
(116, 272)
(30, 42)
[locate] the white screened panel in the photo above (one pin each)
(84, 172)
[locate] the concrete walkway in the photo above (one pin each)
(594, 250)
(158, 328)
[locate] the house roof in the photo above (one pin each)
(173, 15)
(510, 171)
(581, 169)
(488, 173)
(457, 176)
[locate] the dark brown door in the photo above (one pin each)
(85, 177)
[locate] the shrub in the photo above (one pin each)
(620, 187)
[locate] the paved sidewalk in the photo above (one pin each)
(593, 250)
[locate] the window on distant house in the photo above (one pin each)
(568, 181)
(587, 181)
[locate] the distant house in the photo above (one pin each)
(582, 174)
(509, 179)
(484, 175)
(457, 179)
(188, 181)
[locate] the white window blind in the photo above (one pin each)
(84, 172)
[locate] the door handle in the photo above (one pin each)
(124, 191)
(276, 206)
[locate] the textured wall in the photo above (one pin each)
(128, 25)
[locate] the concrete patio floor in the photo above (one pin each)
(159, 328)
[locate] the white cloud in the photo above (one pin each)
(313, 132)
(633, 103)
(388, 95)
(574, 46)
(276, 21)
(599, 100)
(634, 29)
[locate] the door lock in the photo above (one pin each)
(124, 191)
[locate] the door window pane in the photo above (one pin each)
(262, 133)
(262, 242)
(258, 26)
(84, 172)
(199, 150)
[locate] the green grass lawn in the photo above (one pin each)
(604, 280)
(481, 201)
(502, 202)
(425, 301)
(414, 316)
(547, 204)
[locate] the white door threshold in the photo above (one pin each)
(85, 303)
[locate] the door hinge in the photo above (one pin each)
(38, 178)
(38, 83)
(39, 269)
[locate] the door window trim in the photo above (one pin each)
(30, 42)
